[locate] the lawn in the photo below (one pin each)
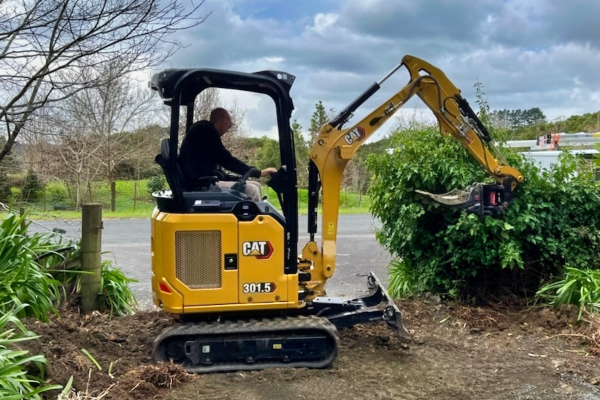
(126, 207)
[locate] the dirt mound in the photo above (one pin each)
(121, 347)
(458, 352)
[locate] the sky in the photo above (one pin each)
(526, 53)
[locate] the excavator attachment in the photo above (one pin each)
(376, 306)
(480, 198)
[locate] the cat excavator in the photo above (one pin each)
(229, 267)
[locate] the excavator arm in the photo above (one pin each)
(335, 146)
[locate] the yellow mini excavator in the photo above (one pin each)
(229, 267)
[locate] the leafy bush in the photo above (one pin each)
(16, 181)
(31, 186)
(117, 296)
(156, 183)
(56, 192)
(33, 272)
(553, 221)
(15, 382)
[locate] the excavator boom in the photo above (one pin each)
(335, 146)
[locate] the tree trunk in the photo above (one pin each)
(135, 187)
(113, 195)
(78, 194)
(69, 193)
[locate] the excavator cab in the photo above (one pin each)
(200, 237)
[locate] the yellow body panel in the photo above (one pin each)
(258, 282)
(261, 261)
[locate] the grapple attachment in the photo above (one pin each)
(479, 198)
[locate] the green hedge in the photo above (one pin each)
(553, 222)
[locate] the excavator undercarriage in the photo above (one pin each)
(307, 338)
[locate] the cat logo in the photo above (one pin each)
(260, 250)
(355, 135)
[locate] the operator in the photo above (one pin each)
(203, 154)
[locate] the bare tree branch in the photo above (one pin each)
(46, 44)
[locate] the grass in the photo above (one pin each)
(125, 207)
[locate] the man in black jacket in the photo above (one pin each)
(203, 154)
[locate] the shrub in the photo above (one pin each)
(552, 222)
(156, 183)
(16, 181)
(33, 272)
(31, 186)
(5, 193)
(56, 192)
(115, 294)
(125, 170)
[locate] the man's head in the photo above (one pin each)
(221, 119)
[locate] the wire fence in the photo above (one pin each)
(66, 229)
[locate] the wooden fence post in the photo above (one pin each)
(91, 244)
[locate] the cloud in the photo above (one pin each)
(539, 53)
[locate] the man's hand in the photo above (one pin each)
(268, 171)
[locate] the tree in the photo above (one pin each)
(48, 45)
(267, 155)
(31, 186)
(74, 153)
(318, 119)
(5, 193)
(109, 111)
(484, 107)
(515, 119)
(302, 156)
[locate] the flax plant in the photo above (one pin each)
(15, 382)
(580, 287)
(22, 279)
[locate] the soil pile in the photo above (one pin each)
(107, 357)
(457, 352)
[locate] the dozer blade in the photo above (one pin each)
(377, 306)
(480, 198)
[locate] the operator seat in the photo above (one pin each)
(175, 179)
